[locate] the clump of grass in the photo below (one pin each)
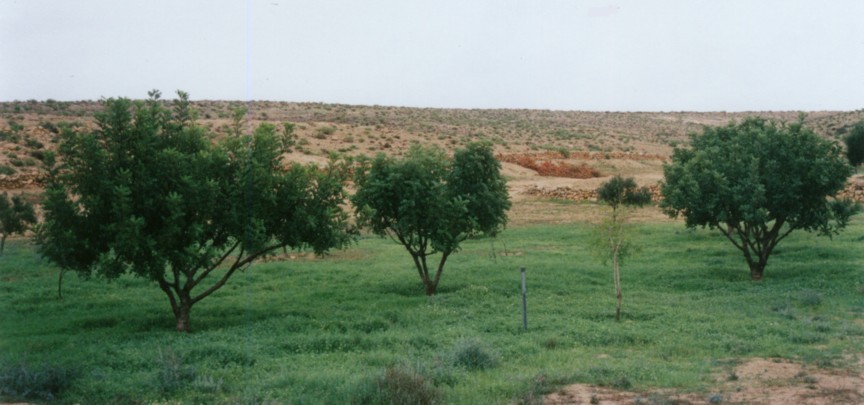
(810, 298)
(471, 354)
(785, 309)
(23, 382)
(173, 373)
(403, 385)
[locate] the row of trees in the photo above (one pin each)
(149, 192)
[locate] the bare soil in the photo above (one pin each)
(756, 381)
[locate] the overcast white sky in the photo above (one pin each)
(647, 55)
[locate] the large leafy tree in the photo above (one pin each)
(756, 182)
(430, 204)
(16, 216)
(150, 193)
(613, 242)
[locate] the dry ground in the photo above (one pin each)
(756, 381)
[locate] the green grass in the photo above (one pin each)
(341, 329)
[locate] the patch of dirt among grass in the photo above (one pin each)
(757, 382)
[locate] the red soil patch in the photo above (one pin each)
(548, 168)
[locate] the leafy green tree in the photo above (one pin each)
(756, 182)
(150, 193)
(430, 204)
(612, 232)
(16, 216)
(855, 145)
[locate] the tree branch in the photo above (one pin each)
(165, 286)
(237, 265)
(216, 264)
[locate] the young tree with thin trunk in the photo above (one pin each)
(150, 193)
(16, 216)
(756, 182)
(430, 204)
(613, 242)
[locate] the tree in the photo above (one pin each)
(756, 182)
(16, 216)
(430, 204)
(151, 194)
(855, 145)
(612, 232)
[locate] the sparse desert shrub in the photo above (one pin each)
(38, 155)
(324, 132)
(7, 170)
(50, 127)
(8, 136)
(14, 126)
(33, 144)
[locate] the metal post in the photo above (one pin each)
(524, 302)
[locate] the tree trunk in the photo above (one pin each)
(757, 270)
(430, 287)
(2, 243)
(617, 275)
(60, 285)
(182, 315)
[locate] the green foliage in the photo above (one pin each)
(855, 145)
(16, 216)
(288, 139)
(431, 204)
(620, 191)
(148, 193)
(7, 170)
(756, 182)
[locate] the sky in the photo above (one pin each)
(641, 55)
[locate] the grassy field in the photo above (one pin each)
(349, 327)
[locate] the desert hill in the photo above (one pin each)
(606, 143)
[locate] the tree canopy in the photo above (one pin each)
(16, 216)
(855, 144)
(149, 192)
(430, 204)
(756, 182)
